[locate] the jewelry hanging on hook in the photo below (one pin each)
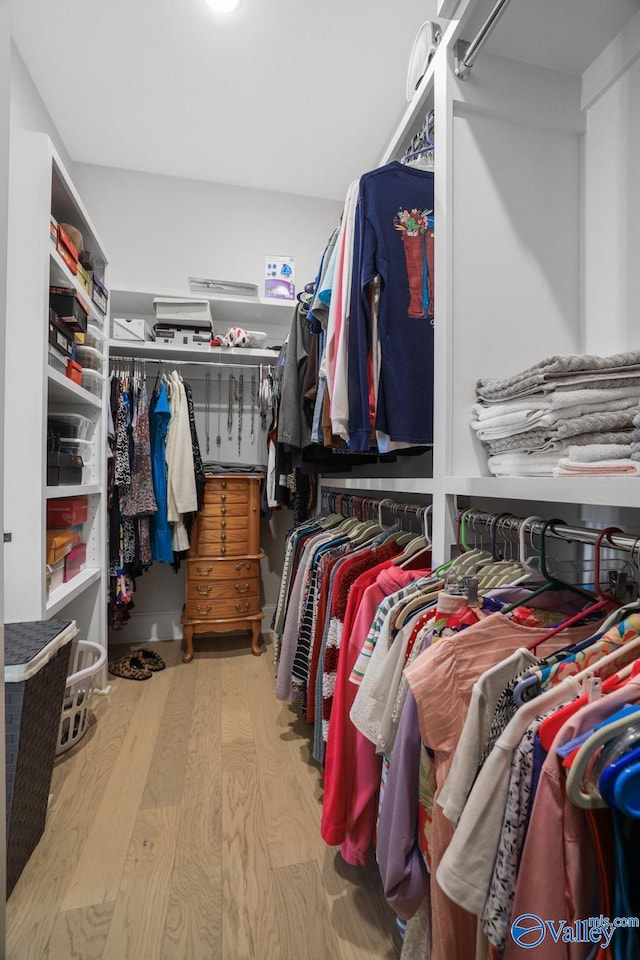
(240, 409)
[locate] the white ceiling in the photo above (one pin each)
(286, 95)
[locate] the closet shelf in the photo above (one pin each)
(599, 491)
(58, 599)
(64, 390)
(60, 274)
(272, 316)
(166, 352)
(73, 490)
(422, 485)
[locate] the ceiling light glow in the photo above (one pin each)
(223, 6)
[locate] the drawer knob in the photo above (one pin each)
(207, 609)
(223, 536)
(223, 549)
(223, 497)
(243, 607)
(242, 589)
(224, 510)
(224, 484)
(243, 565)
(203, 589)
(204, 570)
(224, 523)
(254, 509)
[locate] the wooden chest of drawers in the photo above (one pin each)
(223, 569)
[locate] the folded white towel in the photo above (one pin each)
(523, 464)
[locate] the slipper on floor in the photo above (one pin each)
(150, 659)
(131, 668)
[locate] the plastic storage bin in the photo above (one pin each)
(92, 381)
(87, 661)
(37, 658)
(70, 425)
(89, 357)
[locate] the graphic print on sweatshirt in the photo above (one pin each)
(416, 233)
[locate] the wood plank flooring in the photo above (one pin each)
(185, 826)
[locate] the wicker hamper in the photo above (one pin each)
(36, 665)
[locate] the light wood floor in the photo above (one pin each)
(185, 826)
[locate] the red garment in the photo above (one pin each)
(350, 569)
(551, 725)
(352, 768)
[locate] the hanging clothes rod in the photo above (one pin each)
(560, 530)
(466, 52)
(358, 505)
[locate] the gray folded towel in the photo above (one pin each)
(579, 368)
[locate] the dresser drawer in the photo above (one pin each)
(205, 569)
(215, 498)
(238, 508)
(242, 589)
(203, 609)
(219, 485)
(210, 526)
(222, 548)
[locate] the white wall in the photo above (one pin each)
(612, 218)
(28, 111)
(161, 230)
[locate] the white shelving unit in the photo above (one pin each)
(148, 350)
(41, 187)
(273, 317)
(537, 244)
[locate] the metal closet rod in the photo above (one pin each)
(560, 530)
(467, 52)
(353, 500)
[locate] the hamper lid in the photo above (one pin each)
(30, 645)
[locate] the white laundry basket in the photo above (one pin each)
(88, 660)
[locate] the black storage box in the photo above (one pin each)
(59, 335)
(37, 656)
(64, 301)
(63, 468)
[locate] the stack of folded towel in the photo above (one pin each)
(565, 416)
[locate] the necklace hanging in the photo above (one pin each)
(240, 402)
(253, 406)
(207, 407)
(231, 397)
(219, 438)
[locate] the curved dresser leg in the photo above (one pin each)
(187, 633)
(256, 649)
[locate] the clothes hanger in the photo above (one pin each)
(601, 735)
(553, 583)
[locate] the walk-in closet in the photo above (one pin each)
(320, 480)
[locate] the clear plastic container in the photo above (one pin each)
(92, 381)
(76, 447)
(76, 427)
(94, 337)
(89, 357)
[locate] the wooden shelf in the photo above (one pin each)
(58, 599)
(73, 490)
(273, 317)
(61, 274)
(64, 390)
(596, 491)
(166, 352)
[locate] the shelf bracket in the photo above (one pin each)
(461, 49)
